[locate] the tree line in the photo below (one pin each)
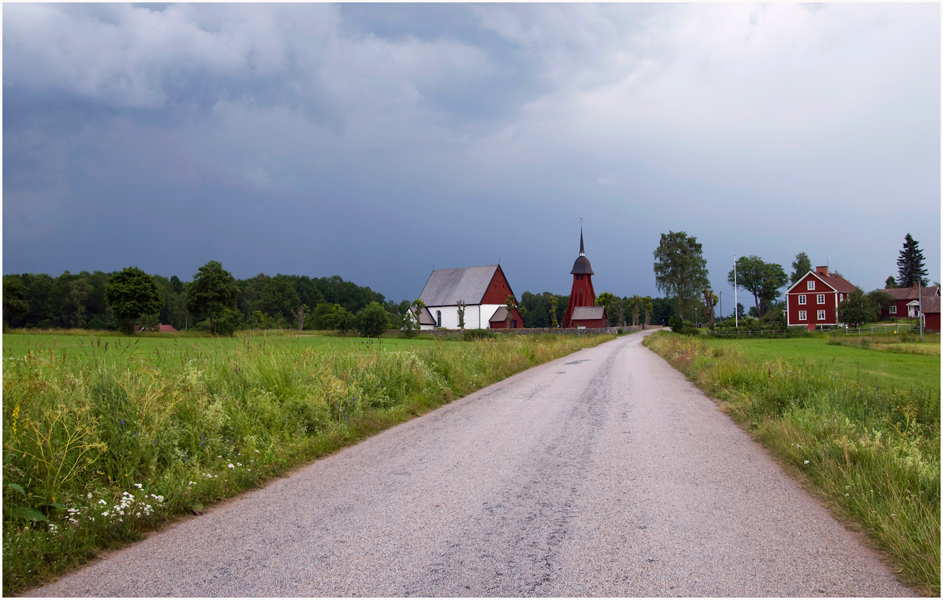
(80, 300)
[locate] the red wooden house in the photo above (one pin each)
(813, 300)
(905, 304)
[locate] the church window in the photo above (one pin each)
(438, 318)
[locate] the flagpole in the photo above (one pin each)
(736, 315)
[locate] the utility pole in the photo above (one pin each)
(920, 305)
(736, 315)
(721, 306)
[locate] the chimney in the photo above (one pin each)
(821, 270)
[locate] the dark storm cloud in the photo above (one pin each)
(375, 141)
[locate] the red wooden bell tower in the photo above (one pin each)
(582, 293)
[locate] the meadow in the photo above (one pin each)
(857, 422)
(108, 437)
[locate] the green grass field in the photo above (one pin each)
(107, 437)
(877, 365)
(859, 425)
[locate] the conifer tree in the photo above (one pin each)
(910, 264)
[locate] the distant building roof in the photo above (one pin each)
(588, 313)
(425, 317)
(931, 304)
(167, 329)
(499, 315)
(910, 293)
(446, 287)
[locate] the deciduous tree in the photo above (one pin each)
(15, 304)
(212, 291)
(800, 267)
(131, 293)
(710, 301)
(761, 279)
(372, 320)
(857, 308)
(680, 268)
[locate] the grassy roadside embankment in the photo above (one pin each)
(859, 426)
(106, 438)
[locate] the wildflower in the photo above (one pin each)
(89, 496)
(806, 462)
(231, 466)
(192, 483)
(102, 502)
(138, 486)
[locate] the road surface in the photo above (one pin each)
(604, 473)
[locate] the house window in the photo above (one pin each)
(820, 299)
(820, 315)
(892, 310)
(513, 323)
(801, 298)
(438, 318)
(802, 315)
(810, 285)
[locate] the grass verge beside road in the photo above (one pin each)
(860, 426)
(106, 438)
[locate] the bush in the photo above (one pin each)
(229, 322)
(372, 320)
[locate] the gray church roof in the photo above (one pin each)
(446, 287)
(587, 313)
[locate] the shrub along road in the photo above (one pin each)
(604, 473)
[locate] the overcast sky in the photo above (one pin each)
(380, 141)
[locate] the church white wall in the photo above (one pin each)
(476, 316)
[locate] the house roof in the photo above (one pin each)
(588, 313)
(931, 304)
(836, 282)
(167, 329)
(446, 287)
(910, 293)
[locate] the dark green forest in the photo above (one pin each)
(77, 301)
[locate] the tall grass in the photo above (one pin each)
(872, 452)
(107, 442)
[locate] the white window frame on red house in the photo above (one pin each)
(892, 310)
(802, 299)
(820, 299)
(803, 316)
(820, 315)
(810, 285)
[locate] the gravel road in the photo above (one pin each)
(604, 473)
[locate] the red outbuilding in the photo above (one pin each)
(931, 313)
(813, 300)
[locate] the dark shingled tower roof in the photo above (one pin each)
(581, 266)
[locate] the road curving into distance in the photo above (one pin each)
(604, 473)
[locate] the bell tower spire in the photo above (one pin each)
(582, 293)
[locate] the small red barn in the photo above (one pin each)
(813, 300)
(931, 313)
